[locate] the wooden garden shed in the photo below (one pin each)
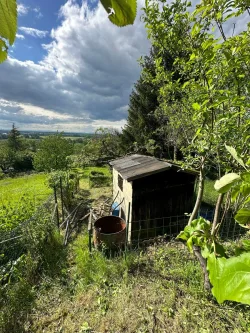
(154, 188)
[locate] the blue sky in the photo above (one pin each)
(41, 15)
(70, 68)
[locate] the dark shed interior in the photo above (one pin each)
(167, 193)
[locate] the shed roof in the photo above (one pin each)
(138, 166)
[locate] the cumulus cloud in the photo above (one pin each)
(87, 75)
(20, 36)
(22, 9)
(85, 79)
(34, 32)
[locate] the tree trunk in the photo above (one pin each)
(199, 195)
(175, 153)
(217, 213)
(203, 263)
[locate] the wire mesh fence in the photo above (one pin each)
(14, 242)
(145, 232)
(229, 229)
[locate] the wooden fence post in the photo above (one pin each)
(90, 230)
(56, 203)
(127, 228)
(61, 191)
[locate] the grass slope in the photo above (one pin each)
(19, 199)
(34, 186)
(157, 290)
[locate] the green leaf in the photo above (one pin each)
(183, 235)
(193, 56)
(121, 12)
(233, 152)
(185, 84)
(226, 182)
(246, 177)
(243, 216)
(235, 192)
(190, 243)
(246, 244)
(195, 30)
(230, 278)
(196, 106)
(8, 20)
(205, 252)
(245, 189)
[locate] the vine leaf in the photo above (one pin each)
(121, 12)
(225, 183)
(230, 278)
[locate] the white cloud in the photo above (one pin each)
(85, 80)
(34, 32)
(37, 10)
(22, 9)
(20, 36)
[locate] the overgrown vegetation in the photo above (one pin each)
(36, 253)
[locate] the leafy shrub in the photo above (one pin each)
(70, 184)
(13, 213)
(39, 251)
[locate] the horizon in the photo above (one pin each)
(70, 69)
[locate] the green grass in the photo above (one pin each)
(33, 186)
(20, 197)
(157, 290)
(95, 193)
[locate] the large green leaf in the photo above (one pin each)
(225, 183)
(230, 278)
(8, 20)
(121, 12)
(243, 216)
